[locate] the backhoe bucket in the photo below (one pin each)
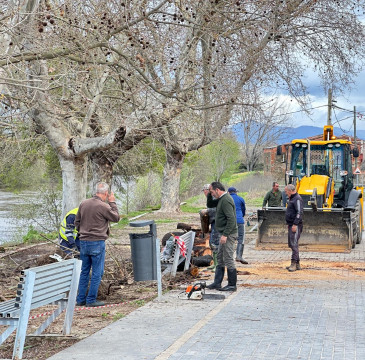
(327, 231)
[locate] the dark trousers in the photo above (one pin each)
(293, 241)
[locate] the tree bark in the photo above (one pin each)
(74, 181)
(170, 200)
(102, 168)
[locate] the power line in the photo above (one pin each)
(298, 111)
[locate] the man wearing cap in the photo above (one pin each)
(240, 213)
(226, 226)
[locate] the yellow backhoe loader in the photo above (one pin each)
(321, 170)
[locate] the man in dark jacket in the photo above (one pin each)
(240, 214)
(226, 226)
(294, 219)
(92, 223)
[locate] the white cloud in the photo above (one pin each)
(318, 109)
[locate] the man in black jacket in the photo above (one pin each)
(294, 219)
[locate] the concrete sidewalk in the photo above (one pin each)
(317, 318)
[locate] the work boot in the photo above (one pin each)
(96, 303)
(218, 278)
(232, 281)
(298, 266)
(293, 266)
(213, 267)
(239, 253)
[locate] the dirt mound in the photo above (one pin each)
(118, 290)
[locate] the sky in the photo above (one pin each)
(354, 96)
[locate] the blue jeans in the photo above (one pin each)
(241, 233)
(92, 254)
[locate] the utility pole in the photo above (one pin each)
(355, 144)
(355, 130)
(329, 106)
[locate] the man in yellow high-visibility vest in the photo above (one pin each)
(68, 235)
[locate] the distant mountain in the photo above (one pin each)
(307, 131)
(300, 132)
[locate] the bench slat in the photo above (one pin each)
(51, 292)
(6, 306)
(49, 268)
(48, 301)
(48, 284)
(45, 285)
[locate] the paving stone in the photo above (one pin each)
(313, 320)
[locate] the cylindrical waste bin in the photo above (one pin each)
(143, 249)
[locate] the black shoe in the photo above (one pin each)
(242, 261)
(218, 278)
(232, 281)
(213, 286)
(95, 304)
(82, 303)
(228, 288)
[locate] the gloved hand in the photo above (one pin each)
(71, 240)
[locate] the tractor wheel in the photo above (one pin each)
(358, 222)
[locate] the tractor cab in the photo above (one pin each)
(323, 166)
(321, 170)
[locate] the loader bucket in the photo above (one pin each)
(326, 231)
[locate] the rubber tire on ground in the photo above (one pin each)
(358, 228)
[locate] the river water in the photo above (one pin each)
(13, 219)
(11, 228)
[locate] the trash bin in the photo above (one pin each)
(143, 249)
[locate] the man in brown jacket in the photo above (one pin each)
(92, 223)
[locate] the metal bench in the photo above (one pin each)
(170, 265)
(56, 284)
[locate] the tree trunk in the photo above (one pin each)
(170, 201)
(102, 168)
(74, 182)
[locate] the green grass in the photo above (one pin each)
(139, 303)
(234, 178)
(190, 206)
(125, 219)
(255, 201)
(118, 316)
(34, 236)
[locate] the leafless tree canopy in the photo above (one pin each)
(92, 74)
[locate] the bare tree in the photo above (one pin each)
(81, 104)
(176, 69)
(259, 127)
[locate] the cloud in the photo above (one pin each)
(343, 111)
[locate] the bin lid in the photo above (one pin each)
(140, 223)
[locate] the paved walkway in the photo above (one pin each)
(267, 318)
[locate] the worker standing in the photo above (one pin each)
(240, 205)
(226, 226)
(273, 197)
(92, 223)
(294, 219)
(68, 235)
(213, 238)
